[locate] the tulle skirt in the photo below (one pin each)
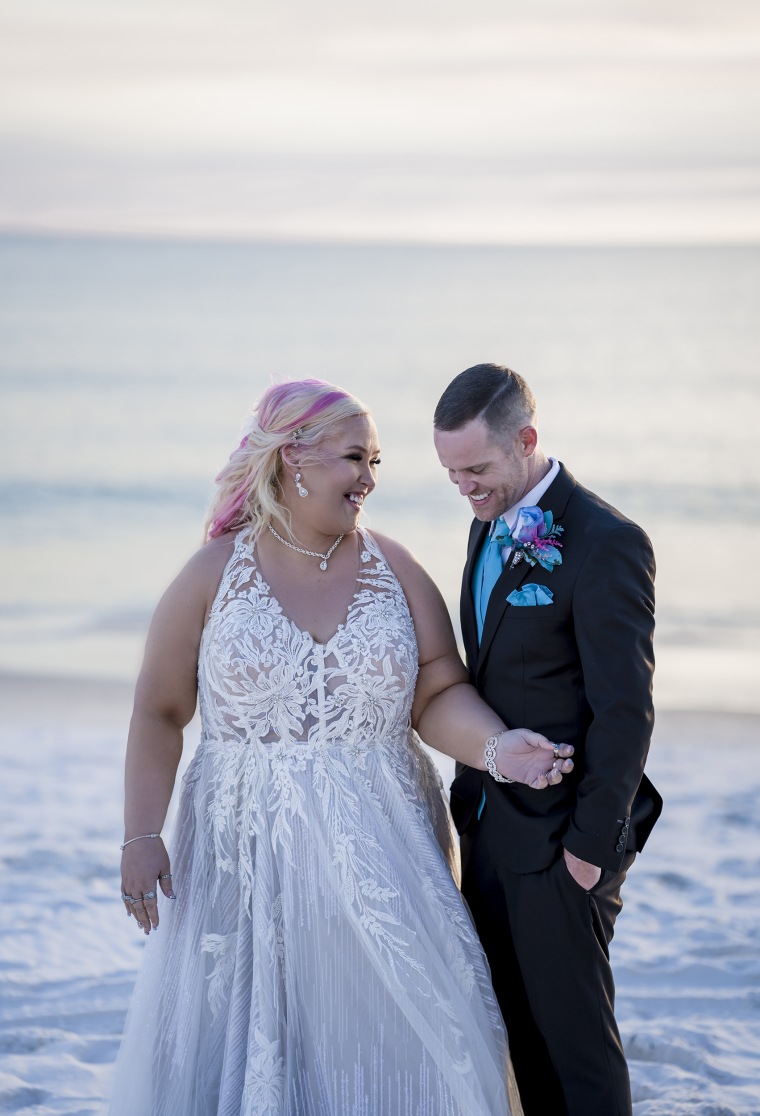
(318, 959)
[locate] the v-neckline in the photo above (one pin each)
(291, 621)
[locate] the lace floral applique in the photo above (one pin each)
(222, 949)
(265, 1076)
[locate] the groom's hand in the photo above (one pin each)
(582, 871)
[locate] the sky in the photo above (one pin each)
(601, 121)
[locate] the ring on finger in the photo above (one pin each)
(556, 750)
(149, 895)
(166, 876)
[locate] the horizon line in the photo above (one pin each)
(210, 237)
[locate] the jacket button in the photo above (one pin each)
(620, 846)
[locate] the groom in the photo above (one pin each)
(557, 620)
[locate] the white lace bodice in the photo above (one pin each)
(265, 683)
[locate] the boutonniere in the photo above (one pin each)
(535, 539)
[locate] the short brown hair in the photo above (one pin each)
(491, 392)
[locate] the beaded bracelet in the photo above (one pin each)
(491, 760)
(140, 838)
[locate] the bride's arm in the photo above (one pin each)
(165, 698)
(448, 713)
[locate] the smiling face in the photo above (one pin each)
(491, 474)
(338, 484)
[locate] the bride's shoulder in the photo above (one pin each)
(393, 551)
(212, 555)
(202, 572)
(415, 581)
(190, 595)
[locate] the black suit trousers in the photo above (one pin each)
(547, 940)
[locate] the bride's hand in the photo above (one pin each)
(528, 757)
(142, 869)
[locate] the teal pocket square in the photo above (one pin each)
(531, 594)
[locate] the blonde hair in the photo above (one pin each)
(296, 412)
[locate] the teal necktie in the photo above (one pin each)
(492, 566)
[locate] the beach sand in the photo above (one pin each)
(686, 956)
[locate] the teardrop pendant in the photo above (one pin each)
(311, 553)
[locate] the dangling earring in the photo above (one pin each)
(301, 490)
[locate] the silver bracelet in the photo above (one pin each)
(140, 838)
(491, 760)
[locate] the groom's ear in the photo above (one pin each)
(527, 438)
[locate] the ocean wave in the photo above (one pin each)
(41, 498)
(653, 501)
(32, 621)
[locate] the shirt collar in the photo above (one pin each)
(530, 499)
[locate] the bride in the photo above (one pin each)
(315, 957)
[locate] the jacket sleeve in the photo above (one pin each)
(613, 612)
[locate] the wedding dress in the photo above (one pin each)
(318, 959)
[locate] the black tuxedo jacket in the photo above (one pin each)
(579, 671)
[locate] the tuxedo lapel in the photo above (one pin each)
(555, 499)
(558, 493)
(478, 533)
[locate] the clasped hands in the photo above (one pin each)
(528, 757)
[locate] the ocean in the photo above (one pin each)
(127, 369)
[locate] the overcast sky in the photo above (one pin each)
(550, 121)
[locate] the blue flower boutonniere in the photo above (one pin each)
(535, 539)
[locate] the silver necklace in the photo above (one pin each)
(311, 553)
